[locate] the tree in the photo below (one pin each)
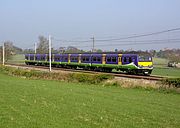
(43, 45)
(1, 53)
(72, 49)
(99, 51)
(28, 51)
(62, 49)
(9, 51)
(152, 52)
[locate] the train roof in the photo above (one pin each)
(97, 53)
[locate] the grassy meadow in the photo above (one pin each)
(46, 104)
(167, 72)
(161, 69)
(17, 59)
(160, 62)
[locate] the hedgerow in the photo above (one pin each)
(172, 82)
(70, 77)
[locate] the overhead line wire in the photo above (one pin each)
(123, 38)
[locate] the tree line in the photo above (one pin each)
(43, 47)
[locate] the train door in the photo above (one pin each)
(104, 59)
(79, 58)
(52, 57)
(69, 58)
(119, 59)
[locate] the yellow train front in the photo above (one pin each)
(145, 64)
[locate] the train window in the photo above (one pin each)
(125, 60)
(57, 58)
(130, 59)
(98, 59)
(94, 58)
(42, 58)
(145, 58)
(76, 58)
(72, 58)
(83, 58)
(108, 59)
(113, 59)
(150, 59)
(87, 59)
(31, 57)
(65, 58)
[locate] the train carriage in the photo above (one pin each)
(130, 63)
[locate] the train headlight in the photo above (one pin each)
(150, 66)
(140, 66)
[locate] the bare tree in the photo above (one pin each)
(8, 50)
(43, 45)
(1, 53)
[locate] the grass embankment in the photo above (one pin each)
(42, 103)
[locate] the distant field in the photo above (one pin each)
(168, 72)
(48, 104)
(160, 62)
(19, 58)
(160, 68)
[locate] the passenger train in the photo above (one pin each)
(106, 62)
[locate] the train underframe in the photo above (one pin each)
(95, 68)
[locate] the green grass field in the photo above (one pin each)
(49, 104)
(161, 69)
(160, 62)
(167, 72)
(17, 59)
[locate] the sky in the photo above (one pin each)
(22, 21)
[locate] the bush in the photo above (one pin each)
(78, 77)
(89, 78)
(174, 82)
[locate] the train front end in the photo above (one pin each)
(145, 64)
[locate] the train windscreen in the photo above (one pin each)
(145, 58)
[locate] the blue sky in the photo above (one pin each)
(22, 21)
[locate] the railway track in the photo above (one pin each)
(116, 74)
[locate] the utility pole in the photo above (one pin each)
(93, 44)
(3, 53)
(35, 47)
(50, 53)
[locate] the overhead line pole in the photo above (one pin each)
(93, 44)
(50, 53)
(3, 53)
(35, 47)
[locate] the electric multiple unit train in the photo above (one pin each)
(106, 62)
